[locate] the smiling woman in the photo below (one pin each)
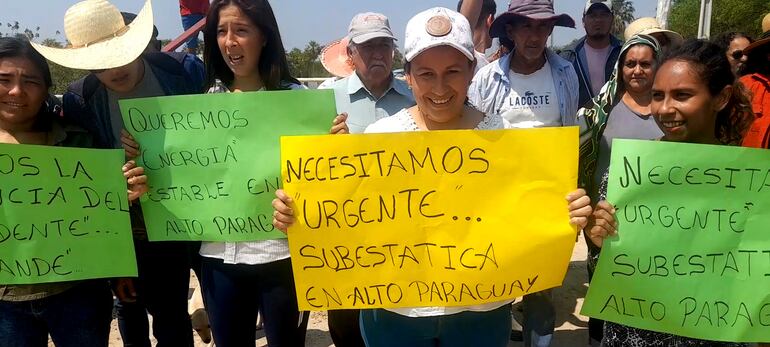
(27, 117)
(23, 91)
(694, 100)
(439, 69)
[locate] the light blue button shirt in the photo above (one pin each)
(363, 108)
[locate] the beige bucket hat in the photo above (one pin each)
(99, 38)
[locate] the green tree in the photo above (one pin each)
(14, 30)
(296, 62)
(61, 76)
(306, 63)
(727, 15)
(398, 60)
(559, 49)
(624, 14)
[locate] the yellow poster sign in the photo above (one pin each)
(439, 218)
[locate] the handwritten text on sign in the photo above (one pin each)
(213, 160)
(63, 215)
(693, 254)
(443, 218)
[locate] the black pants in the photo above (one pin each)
(345, 328)
(595, 326)
(162, 290)
(234, 293)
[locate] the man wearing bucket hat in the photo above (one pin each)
(112, 51)
(371, 92)
(530, 86)
(757, 81)
(594, 55)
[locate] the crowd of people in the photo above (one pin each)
(650, 84)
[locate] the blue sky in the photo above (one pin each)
(300, 20)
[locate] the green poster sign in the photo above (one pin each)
(692, 254)
(213, 160)
(63, 215)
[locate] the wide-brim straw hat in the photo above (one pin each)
(649, 25)
(335, 58)
(764, 39)
(98, 37)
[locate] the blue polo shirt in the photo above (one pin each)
(363, 108)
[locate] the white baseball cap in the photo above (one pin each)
(435, 27)
(590, 3)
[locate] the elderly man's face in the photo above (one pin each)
(373, 59)
(530, 36)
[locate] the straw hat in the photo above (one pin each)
(649, 25)
(335, 59)
(99, 38)
(764, 39)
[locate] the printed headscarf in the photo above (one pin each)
(593, 118)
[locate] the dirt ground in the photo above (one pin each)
(571, 326)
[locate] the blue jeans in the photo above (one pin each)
(188, 22)
(162, 289)
(382, 328)
(77, 317)
(234, 293)
(539, 319)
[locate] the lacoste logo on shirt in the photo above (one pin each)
(529, 99)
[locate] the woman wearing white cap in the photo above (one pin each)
(439, 68)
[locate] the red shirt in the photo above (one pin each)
(188, 7)
(758, 135)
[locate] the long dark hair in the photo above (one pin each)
(710, 63)
(18, 48)
(724, 40)
(273, 66)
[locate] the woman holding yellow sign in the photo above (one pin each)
(439, 68)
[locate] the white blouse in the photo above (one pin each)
(248, 252)
(402, 122)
